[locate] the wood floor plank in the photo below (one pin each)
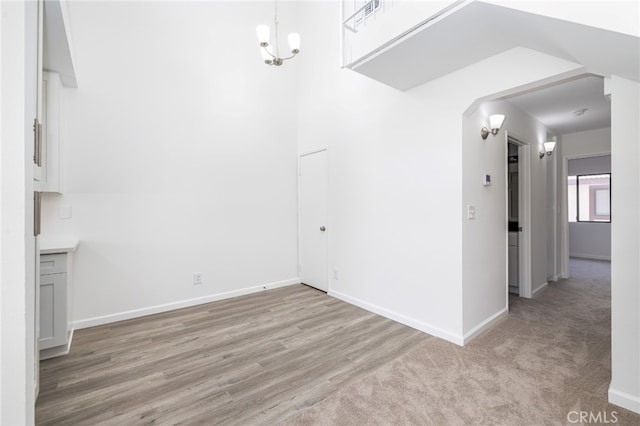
(253, 359)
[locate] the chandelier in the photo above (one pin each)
(270, 55)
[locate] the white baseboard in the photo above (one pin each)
(58, 350)
(590, 256)
(554, 278)
(536, 292)
(624, 400)
(484, 326)
(135, 313)
(402, 319)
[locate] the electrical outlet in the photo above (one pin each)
(197, 278)
(335, 274)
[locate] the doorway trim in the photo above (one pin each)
(564, 207)
(524, 215)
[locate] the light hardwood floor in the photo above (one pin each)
(256, 359)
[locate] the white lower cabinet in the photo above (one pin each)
(53, 310)
(55, 300)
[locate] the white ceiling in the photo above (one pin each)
(555, 106)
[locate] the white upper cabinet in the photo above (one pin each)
(57, 71)
(50, 134)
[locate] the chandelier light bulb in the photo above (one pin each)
(263, 35)
(294, 43)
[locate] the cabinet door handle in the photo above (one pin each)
(37, 142)
(37, 212)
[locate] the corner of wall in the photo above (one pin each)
(484, 326)
(458, 339)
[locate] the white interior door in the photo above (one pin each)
(313, 220)
(524, 217)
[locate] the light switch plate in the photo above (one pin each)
(471, 212)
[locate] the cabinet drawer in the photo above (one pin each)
(53, 263)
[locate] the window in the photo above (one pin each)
(590, 198)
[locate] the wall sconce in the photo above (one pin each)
(495, 122)
(549, 146)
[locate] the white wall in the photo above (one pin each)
(625, 245)
(587, 144)
(389, 205)
(619, 16)
(587, 239)
(590, 240)
(590, 165)
(17, 246)
(396, 182)
(485, 238)
(179, 157)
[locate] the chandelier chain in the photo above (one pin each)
(275, 21)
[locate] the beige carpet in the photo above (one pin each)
(547, 361)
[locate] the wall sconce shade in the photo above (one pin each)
(549, 146)
(495, 122)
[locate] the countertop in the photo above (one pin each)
(58, 246)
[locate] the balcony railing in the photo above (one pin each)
(360, 16)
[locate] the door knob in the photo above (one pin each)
(322, 228)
